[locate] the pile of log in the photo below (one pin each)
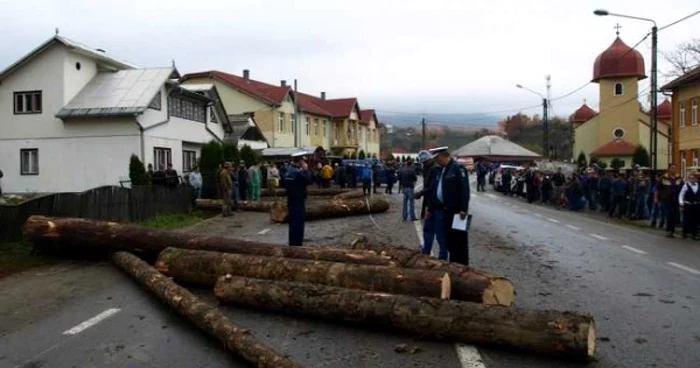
(252, 206)
(369, 284)
(333, 208)
(323, 192)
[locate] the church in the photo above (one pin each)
(621, 124)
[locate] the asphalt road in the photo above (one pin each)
(642, 288)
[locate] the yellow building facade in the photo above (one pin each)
(686, 117)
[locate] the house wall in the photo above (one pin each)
(662, 158)
(373, 141)
(686, 138)
(76, 79)
(586, 137)
(618, 111)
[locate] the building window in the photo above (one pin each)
(29, 161)
(155, 103)
(325, 128)
(307, 124)
(189, 160)
(212, 116)
(695, 158)
(619, 91)
(28, 102)
(281, 123)
(316, 128)
(694, 113)
(293, 122)
(681, 116)
(186, 109)
(618, 133)
(162, 157)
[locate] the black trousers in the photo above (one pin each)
(457, 242)
(691, 219)
(671, 216)
(366, 187)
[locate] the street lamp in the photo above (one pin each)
(545, 123)
(653, 141)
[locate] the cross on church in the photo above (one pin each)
(617, 28)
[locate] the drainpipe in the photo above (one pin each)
(141, 142)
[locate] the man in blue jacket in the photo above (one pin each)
(450, 197)
(296, 180)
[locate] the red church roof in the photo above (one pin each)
(618, 147)
(664, 110)
(619, 60)
(271, 94)
(583, 114)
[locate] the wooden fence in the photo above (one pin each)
(103, 203)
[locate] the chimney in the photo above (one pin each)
(283, 83)
(246, 74)
(323, 95)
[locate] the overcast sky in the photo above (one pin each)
(404, 55)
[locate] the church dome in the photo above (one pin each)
(619, 60)
(583, 114)
(663, 111)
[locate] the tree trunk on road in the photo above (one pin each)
(546, 332)
(215, 205)
(206, 317)
(332, 209)
(350, 195)
(281, 192)
(498, 289)
(203, 268)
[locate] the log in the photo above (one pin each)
(202, 268)
(545, 332)
(353, 194)
(236, 339)
(93, 236)
(325, 192)
(496, 289)
(332, 209)
(215, 205)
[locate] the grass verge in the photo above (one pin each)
(172, 222)
(16, 257)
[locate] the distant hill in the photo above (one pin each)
(474, 121)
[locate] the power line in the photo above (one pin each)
(680, 20)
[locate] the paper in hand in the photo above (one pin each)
(461, 225)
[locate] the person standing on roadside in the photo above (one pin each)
(450, 198)
(667, 190)
(226, 189)
(432, 225)
(297, 179)
(689, 202)
(408, 178)
(196, 182)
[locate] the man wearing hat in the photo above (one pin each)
(296, 180)
(431, 230)
(450, 198)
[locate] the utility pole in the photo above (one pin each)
(422, 140)
(654, 123)
(545, 128)
(295, 128)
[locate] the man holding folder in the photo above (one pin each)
(450, 198)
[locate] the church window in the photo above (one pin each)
(618, 133)
(694, 112)
(681, 115)
(619, 90)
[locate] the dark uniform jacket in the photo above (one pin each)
(455, 189)
(296, 181)
(429, 176)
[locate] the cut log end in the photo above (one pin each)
(591, 340)
(446, 287)
(500, 292)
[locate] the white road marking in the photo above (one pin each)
(633, 249)
(92, 321)
(684, 268)
(264, 231)
(572, 227)
(599, 237)
(469, 356)
(553, 220)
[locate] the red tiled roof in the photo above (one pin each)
(268, 93)
(583, 114)
(619, 60)
(618, 147)
(312, 105)
(367, 115)
(341, 107)
(664, 110)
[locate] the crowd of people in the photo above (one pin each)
(665, 201)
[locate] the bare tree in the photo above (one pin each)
(684, 58)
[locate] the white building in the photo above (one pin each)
(71, 117)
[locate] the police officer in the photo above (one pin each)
(450, 198)
(296, 180)
(430, 231)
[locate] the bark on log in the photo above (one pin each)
(353, 194)
(545, 332)
(100, 237)
(497, 289)
(325, 192)
(331, 209)
(206, 317)
(203, 268)
(215, 205)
